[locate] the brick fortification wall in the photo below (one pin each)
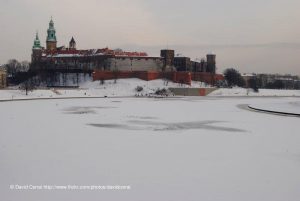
(178, 77)
(209, 78)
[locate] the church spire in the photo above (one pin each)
(51, 36)
(72, 44)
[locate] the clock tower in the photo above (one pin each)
(51, 37)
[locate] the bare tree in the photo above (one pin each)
(24, 66)
(27, 86)
(16, 70)
(234, 78)
(12, 67)
(116, 74)
(102, 81)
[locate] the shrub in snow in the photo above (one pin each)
(102, 81)
(253, 84)
(163, 92)
(139, 88)
(234, 78)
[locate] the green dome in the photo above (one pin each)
(37, 42)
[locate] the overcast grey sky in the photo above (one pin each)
(252, 36)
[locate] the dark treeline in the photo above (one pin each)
(260, 81)
(20, 73)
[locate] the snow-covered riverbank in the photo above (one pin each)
(127, 88)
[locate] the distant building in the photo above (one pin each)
(3, 77)
(287, 81)
(182, 63)
(247, 77)
(211, 63)
(199, 66)
(273, 80)
(168, 58)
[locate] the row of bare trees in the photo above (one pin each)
(14, 66)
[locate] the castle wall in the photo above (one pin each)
(135, 64)
(103, 62)
(179, 77)
(209, 78)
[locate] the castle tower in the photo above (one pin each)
(37, 42)
(72, 44)
(51, 37)
(168, 56)
(37, 49)
(211, 63)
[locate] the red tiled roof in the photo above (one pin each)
(104, 51)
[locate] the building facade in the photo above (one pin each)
(186, 64)
(3, 76)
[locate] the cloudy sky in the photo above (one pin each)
(252, 36)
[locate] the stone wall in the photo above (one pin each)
(192, 91)
(135, 64)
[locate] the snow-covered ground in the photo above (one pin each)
(193, 149)
(283, 107)
(126, 87)
(123, 87)
(249, 92)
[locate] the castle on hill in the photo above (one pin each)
(72, 59)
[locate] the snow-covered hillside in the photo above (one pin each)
(123, 87)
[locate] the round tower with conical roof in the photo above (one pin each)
(51, 37)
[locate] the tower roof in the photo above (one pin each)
(72, 40)
(51, 23)
(37, 42)
(51, 36)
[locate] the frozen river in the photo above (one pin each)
(163, 149)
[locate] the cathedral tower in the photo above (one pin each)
(37, 42)
(51, 37)
(36, 49)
